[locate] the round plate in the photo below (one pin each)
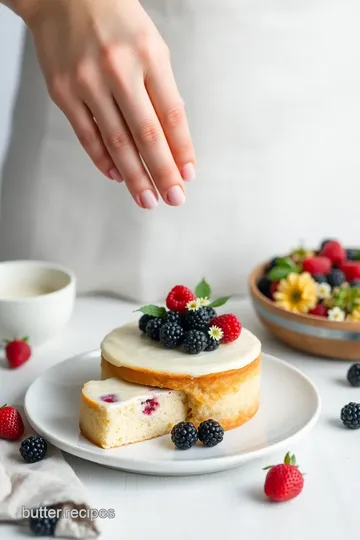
(289, 408)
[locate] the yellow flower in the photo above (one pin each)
(354, 316)
(297, 293)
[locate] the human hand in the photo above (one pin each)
(108, 69)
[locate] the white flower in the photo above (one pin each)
(336, 314)
(324, 290)
(204, 301)
(193, 305)
(216, 333)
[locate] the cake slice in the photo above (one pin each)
(114, 413)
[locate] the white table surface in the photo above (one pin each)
(222, 505)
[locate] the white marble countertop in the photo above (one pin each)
(222, 505)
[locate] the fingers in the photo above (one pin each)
(169, 107)
(122, 149)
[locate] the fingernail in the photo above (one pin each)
(175, 196)
(115, 175)
(148, 199)
(188, 172)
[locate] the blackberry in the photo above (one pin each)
(171, 335)
(320, 278)
(355, 283)
(184, 435)
(212, 344)
(352, 254)
(197, 320)
(173, 317)
(153, 328)
(211, 312)
(195, 341)
(353, 375)
(210, 433)
(33, 449)
(264, 285)
(335, 277)
(272, 263)
(143, 322)
(350, 415)
(44, 521)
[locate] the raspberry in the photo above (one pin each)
(320, 310)
(273, 288)
(317, 265)
(351, 270)
(334, 251)
(197, 320)
(178, 297)
(195, 342)
(324, 242)
(230, 325)
(171, 335)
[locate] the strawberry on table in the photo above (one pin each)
(334, 251)
(11, 424)
(17, 352)
(284, 481)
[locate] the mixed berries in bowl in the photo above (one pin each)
(189, 321)
(311, 299)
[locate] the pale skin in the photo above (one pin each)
(108, 69)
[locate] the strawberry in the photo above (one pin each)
(284, 481)
(317, 265)
(230, 325)
(334, 251)
(320, 310)
(17, 352)
(11, 424)
(178, 297)
(351, 270)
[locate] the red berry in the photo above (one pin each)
(351, 270)
(17, 352)
(273, 288)
(320, 310)
(230, 325)
(334, 251)
(178, 297)
(284, 481)
(11, 424)
(317, 265)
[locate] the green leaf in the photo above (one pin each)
(219, 301)
(280, 272)
(154, 311)
(268, 467)
(285, 261)
(203, 290)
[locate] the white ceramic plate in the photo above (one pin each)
(290, 406)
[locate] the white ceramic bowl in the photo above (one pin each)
(36, 299)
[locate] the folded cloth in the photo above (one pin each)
(26, 487)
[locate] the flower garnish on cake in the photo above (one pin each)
(189, 321)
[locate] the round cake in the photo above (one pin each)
(223, 384)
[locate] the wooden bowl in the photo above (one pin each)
(315, 335)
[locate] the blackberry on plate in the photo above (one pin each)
(212, 344)
(173, 317)
(352, 254)
(144, 320)
(195, 341)
(171, 335)
(353, 375)
(355, 283)
(153, 328)
(264, 285)
(319, 278)
(44, 521)
(184, 435)
(350, 415)
(210, 433)
(33, 449)
(197, 320)
(336, 277)
(211, 312)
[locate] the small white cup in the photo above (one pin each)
(36, 299)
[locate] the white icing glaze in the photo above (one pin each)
(124, 391)
(126, 346)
